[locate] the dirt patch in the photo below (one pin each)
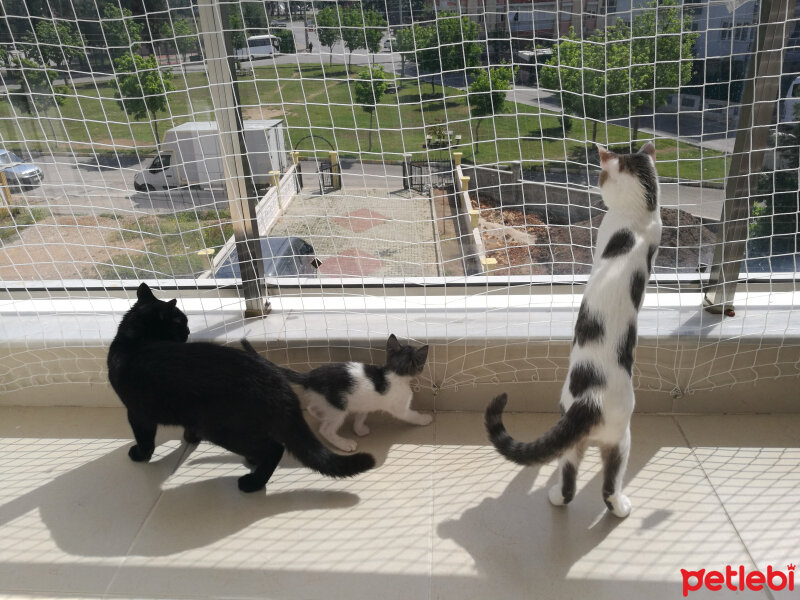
(516, 240)
(261, 112)
(522, 244)
(64, 247)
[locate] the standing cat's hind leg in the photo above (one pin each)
(564, 491)
(615, 460)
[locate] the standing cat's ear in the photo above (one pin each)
(144, 293)
(392, 345)
(172, 302)
(421, 355)
(650, 149)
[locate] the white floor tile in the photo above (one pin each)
(442, 516)
(753, 462)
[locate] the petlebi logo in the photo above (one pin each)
(738, 579)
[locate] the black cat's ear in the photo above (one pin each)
(144, 294)
(392, 345)
(421, 355)
(172, 302)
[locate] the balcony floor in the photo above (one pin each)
(442, 516)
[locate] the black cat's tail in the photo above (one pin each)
(304, 445)
(578, 421)
(291, 375)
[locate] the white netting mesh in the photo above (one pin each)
(115, 173)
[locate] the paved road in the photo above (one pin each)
(78, 185)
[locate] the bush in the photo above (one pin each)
(286, 41)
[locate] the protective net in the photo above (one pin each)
(435, 159)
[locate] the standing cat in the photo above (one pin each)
(336, 390)
(224, 395)
(597, 398)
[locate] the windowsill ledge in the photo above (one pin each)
(687, 359)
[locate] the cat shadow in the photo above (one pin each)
(503, 546)
(99, 508)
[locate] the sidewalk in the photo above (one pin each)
(441, 516)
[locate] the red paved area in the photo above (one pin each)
(352, 261)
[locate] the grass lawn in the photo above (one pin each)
(171, 243)
(13, 219)
(317, 103)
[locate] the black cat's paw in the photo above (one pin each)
(191, 436)
(250, 483)
(137, 455)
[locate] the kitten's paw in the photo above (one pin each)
(362, 430)
(619, 505)
(424, 419)
(555, 495)
(346, 445)
(138, 456)
(250, 483)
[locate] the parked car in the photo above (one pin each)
(390, 44)
(282, 256)
(19, 174)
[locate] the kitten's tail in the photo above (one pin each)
(291, 375)
(570, 428)
(302, 443)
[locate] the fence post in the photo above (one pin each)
(6, 192)
(218, 51)
(516, 183)
(761, 93)
(298, 170)
(406, 172)
(336, 172)
(276, 183)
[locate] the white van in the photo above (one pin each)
(191, 156)
(259, 46)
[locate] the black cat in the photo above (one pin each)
(229, 397)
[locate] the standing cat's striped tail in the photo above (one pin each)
(571, 427)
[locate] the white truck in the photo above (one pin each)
(191, 156)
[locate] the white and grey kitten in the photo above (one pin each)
(597, 399)
(332, 392)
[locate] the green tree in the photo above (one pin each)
(374, 26)
(352, 21)
(54, 42)
(487, 94)
(141, 88)
(286, 41)
(37, 94)
(775, 214)
(238, 36)
(122, 33)
(369, 89)
(328, 28)
(448, 44)
(406, 46)
(185, 37)
(616, 72)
